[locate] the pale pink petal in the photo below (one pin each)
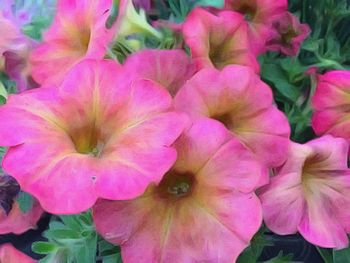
(212, 222)
(331, 103)
(243, 103)
(170, 68)
(260, 15)
(195, 149)
(77, 32)
(18, 222)
(311, 191)
(9, 254)
(282, 202)
(211, 47)
(320, 227)
(93, 136)
(235, 168)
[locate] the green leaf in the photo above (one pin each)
(341, 256)
(326, 254)
(2, 100)
(41, 247)
(25, 201)
(60, 255)
(3, 92)
(86, 253)
(62, 234)
(275, 74)
(257, 244)
(213, 3)
(105, 248)
(116, 258)
(72, 221)
(113, 14)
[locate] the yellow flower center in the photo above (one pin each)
(87, 140)
(176, 185)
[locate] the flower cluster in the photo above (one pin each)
(180, 155)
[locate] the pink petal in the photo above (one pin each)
(18, 222)
(319, 227)
(282, 201)
(157, 228)
(211, 47)
(237, 94)
(10, 254)
(170, 68)
(94, 129)
(234, 167)
(77, 32)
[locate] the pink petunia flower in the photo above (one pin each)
(77, 32)
(9, 254)
(244, 104)
(93, 136)
(218, 40)
(310, 193)
(203, 210)
(169, 68)
(12, 218)
(14, 53)
(331, 103)
(11, 37)
(259, 14)
(17, 221)
(287, 34)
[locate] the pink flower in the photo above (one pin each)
(17, 221)
(14, 52)
(331, 103)
(203, 210)
(10, 35)
(310, 193)
(244, 104)
(288, 34)
(12, 218)
(259, 14)
(77, 32)
(17, 68)
(169, 68)
(218, 40)
(93, 136)
(9, 254)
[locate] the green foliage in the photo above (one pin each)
(179, 9)
(73, 239)
(2, 153)
(41, 15)
(341, 256)
(327, 48)
(335, 256)
(6, 84)
(25, 201)
(257, 244)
